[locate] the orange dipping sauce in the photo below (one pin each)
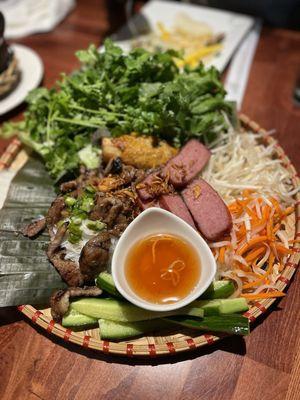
(162, 268)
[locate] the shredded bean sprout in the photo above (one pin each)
(241, 161)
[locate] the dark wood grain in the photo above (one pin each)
(34, 365)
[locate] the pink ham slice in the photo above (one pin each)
(187, 164)
(209, 211)
(175, 204)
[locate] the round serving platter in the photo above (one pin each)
(183, 340)
(32, 71)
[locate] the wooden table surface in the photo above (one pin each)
(266, 365)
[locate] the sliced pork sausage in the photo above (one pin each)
(209, 211)
(182, 168)
(175, 204)
(147, 204)
(178, 171)
(152, 187)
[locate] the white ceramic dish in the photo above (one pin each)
(233, 25)
(32, 71)
(154, 221)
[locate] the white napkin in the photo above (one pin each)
(239, 69)
(25, 17)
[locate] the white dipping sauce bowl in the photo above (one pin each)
(157, 221)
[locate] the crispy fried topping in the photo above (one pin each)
(196, 191)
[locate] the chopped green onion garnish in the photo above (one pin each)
(95, 225)
(76, 220)
(74, 238)
(60, 223)
(70, 201)
(87, 204)
(90, 189)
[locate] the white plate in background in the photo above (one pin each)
(32, 71)
(233, 25)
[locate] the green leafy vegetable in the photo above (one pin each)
(142, 92)
(95, 225)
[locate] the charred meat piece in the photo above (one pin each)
(153, 186)
(54, 212)
(57, 239)
(94, 256)
(86, 177)
(127, 213)
(106, 209)
(175, 204)
(129, 175)
(114, 204)
(67, 269)
(34, 228)
(139, 151)
(132, 175)
(191, 159)
(68, 186)
(60, 300)
(209, 211)
(115, 210)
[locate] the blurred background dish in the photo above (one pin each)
(9, 67)
(159, 21)
(31, 67)
(25, 17)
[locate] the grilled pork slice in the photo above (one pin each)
(209, 211)
(54, 213)
(60, 300)
(175, 204)
(94, 256)
(67, 269)
(34, 228)
(191, 159)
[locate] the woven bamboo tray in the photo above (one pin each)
(170, 343)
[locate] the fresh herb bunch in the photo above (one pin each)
(143, 92)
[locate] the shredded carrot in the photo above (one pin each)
(276, 228)
(270, 264)
(251, 243)
(280, 248)
(247, 193)
(288, 211)
(251, 213)
(270, 229)
(256, 221)
(221, 255)
(252, 255)
(268, 295)
(276, 205)
(254, 283)
(294, 241)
